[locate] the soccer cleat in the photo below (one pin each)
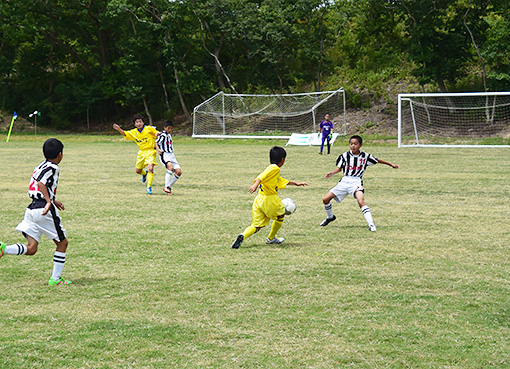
(59, 282)
(237, 243)
(168, 190)
(326, 221)
(372, 227)
(149, 190)
(275, 241)
(144, 177)
(2, 249)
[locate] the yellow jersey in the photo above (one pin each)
(270, 180)
(144, 139)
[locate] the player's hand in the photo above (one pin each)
(46, 208)
(328, 175)
(330, 136)
(301, 184)
(253, 188)
(59, 205)
(394, 166)
(116, 126)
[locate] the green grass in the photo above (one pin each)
(156, 284)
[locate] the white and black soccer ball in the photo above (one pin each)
(290, 205)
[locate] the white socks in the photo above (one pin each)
(59, 258)
(367, 214)
(16, 249)
(172, 180)
(329, 210)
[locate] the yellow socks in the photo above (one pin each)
(150, 178)
(249, 231)
(275, 227)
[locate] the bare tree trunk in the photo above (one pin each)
(88, 118)
(147, 110)
(484, 74)
(181, 98)
(163, 85)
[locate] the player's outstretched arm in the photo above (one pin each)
(394, 166)
(118, 129)
(330, 174)
(298, 183)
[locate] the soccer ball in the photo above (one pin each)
(290, 205)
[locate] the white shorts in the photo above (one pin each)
(347, 186)
(35, 224)
(169, 157)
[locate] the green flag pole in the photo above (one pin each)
(14, 116)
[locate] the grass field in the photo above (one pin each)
(156, 284)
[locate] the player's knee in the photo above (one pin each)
(138, 171)
(178, 172)
(62, 245)
(279, 218)
(31, 249)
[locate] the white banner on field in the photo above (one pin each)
(308, 139)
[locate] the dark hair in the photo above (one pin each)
(52, 147)
(168, 123)
(276, 154)
(138, 116)
(360, 140)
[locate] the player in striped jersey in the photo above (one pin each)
(41, 216)
(165, 148)
(145, 137)
(353, 163)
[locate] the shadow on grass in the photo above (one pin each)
(88, 281)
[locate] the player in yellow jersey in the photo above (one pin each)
(267, 205)
(145, 138)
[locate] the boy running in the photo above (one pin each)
(354, 164)
(145, 137)
(267, 205)
(165, 148)
(41, 216)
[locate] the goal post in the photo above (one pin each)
(268, 116)
(469, 119)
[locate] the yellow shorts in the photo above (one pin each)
(145, 157)
(266, 207)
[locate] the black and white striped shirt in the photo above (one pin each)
(164, 142)
(46, 173)
(355, 165)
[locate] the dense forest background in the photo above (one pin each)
(86, 63)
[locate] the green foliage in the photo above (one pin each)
(115, 57)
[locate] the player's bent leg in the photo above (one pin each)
(247, 233)
(31, 245)
(360, 196)
(275, 227)
(328, 207)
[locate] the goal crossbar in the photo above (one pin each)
(469, 119)
(267, 116)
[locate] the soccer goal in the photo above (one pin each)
(267, 116)
(454, 119)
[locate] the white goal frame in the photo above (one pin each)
(489, 108)
(311, 114)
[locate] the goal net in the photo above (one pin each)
(267, 116)
(454, 119)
